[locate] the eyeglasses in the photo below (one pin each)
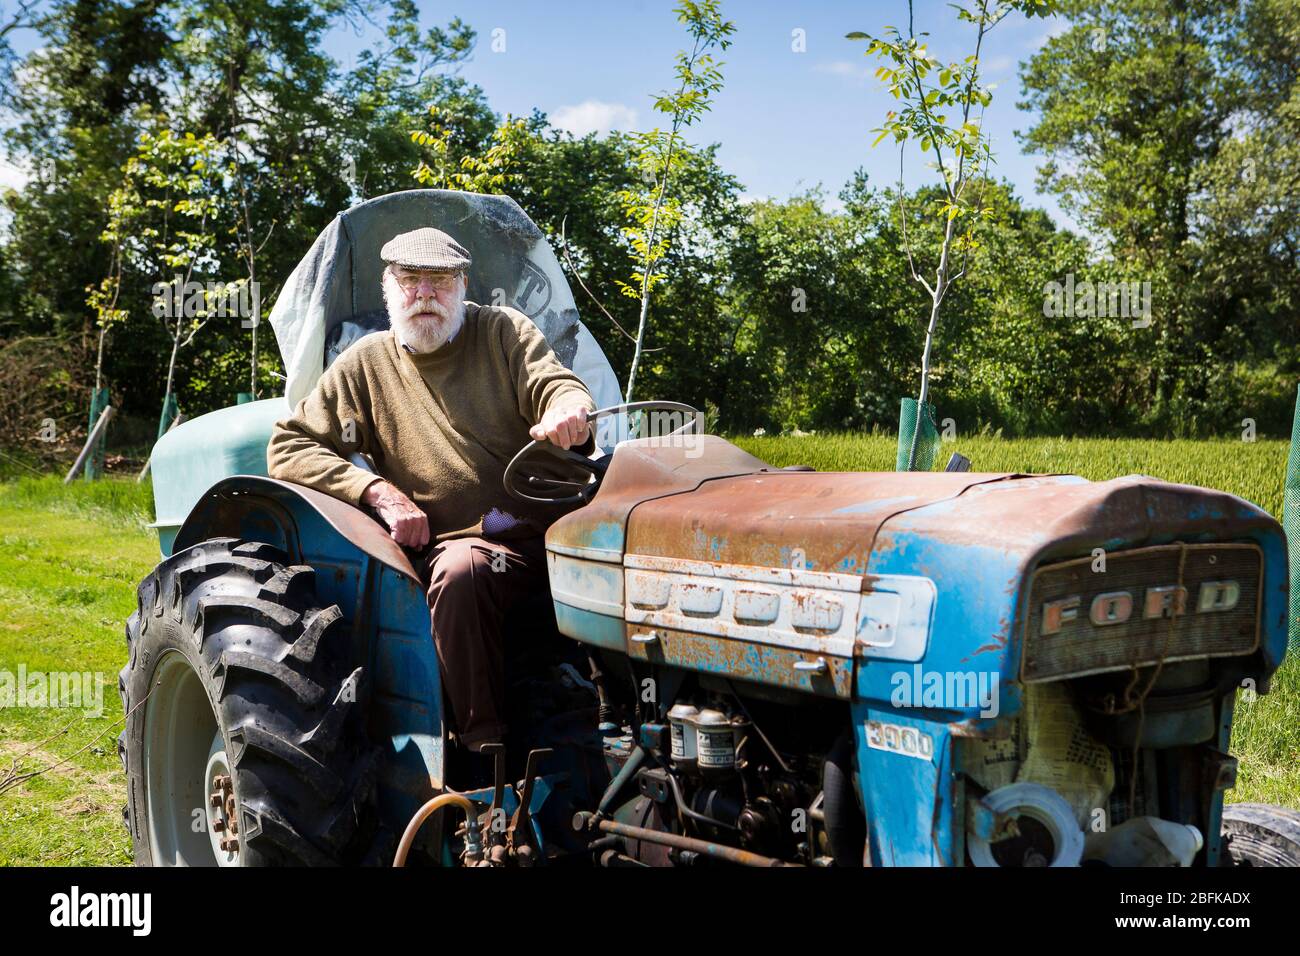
(441, 281)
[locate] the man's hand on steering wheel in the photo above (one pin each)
(554, 437)
(563, 427)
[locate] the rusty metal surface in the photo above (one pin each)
(219, 510)
(826, 519)
(981, 548)
(742, 660)
(705, 848)
(642, 470)
(1028, 521)
(1055, 517)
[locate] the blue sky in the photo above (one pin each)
(785, 121)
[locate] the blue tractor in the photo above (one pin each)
(739, 664)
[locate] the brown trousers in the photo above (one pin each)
(472, 584)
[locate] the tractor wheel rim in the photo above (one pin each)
(180, 734)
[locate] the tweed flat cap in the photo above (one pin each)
(426, 248)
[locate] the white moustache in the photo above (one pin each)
(426, 307)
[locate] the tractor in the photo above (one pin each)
(737, 664)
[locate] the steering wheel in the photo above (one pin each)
(556, 491)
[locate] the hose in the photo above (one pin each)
(846, 827)
(629, 770)
(473, 850)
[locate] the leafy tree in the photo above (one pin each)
(652, 212)
(1137, 99)
(493, 172)
(293, 124)
(1249, 211)
(25, 15)
(97, 70)
(162, 222)
(927, 90)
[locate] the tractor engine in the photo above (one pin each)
(726, 778)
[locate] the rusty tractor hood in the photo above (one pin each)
(825, 521)
(959, 548)
(840, 520)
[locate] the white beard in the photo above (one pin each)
(425, 325)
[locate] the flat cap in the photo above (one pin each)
(426, 248)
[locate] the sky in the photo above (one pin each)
(785, 121)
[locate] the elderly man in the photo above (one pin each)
(440, 404)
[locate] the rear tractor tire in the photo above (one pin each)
(1255, 834)
(246, 745)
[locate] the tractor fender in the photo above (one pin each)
(232, 504)
(363, 570)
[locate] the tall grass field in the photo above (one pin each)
(70, 559)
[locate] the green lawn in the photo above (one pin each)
(71, 558)
(69, 563)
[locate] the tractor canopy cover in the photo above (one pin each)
(334, 295)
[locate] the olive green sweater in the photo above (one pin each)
(441, 426)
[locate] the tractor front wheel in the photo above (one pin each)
(1259, 835)
(245, 742)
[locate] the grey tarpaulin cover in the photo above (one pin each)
(334, 296)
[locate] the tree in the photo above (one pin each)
(161, 221)
(25, 15)
(77, 104)
(652, 211)
(1135, 102)
(494, 172)
(298, 131)
(927, 89)
(1249, 211)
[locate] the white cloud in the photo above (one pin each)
(593, 116)
(843, 68)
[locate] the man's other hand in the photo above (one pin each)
(408, 525)
(564, 427)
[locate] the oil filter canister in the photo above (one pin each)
(681, 726)
(715, 742)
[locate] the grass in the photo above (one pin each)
(119, 502)
(71, 556)
(1266, 741)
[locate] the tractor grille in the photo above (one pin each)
(1083, 621)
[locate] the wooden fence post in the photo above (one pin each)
(104, 418)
